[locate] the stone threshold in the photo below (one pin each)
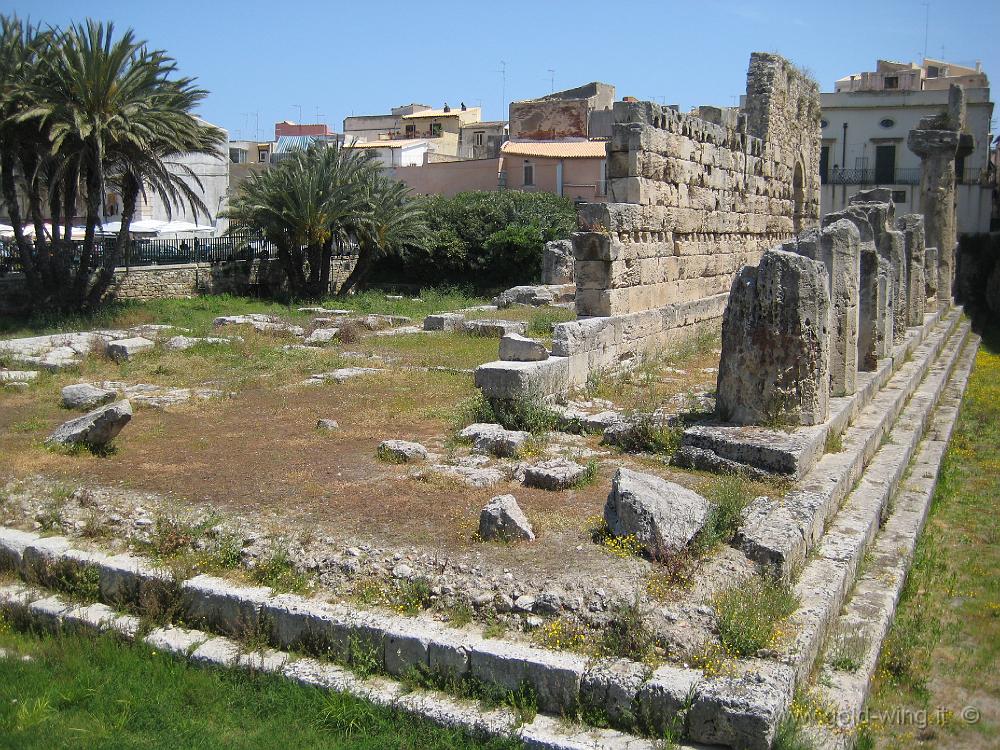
(779, 534)
(792, 453)
(869, 612)
(209, 650)
(828, 578)
(741, 709)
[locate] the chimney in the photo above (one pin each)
(446, 107)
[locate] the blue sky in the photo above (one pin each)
(263, 61)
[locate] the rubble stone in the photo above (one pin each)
(503, 519)
(494, 328)
(402, 451)
(558, 261)
(96, 429)
(662, 516)
(444, 322)
(494, 439)
(125, 349)
(86, 396)
(517, 348)
(555, 474)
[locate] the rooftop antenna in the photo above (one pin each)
(300, 111)
(927, 25)
(503, 88)
(256, 130)
(552, 80)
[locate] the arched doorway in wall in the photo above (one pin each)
(798, 197)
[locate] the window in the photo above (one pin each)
(435, 129)
(823, 123)
(529, 173)
(238, 155)
(899, 196)
(888, 122)
(262, 155)
(885, 164)
(480, 137)
(411, 130)
(892, 82)
(824, 164)
(933, 71)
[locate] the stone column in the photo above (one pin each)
(912, 227)
(774, 368)
(930, 270)
(838, 247)
(878, 207)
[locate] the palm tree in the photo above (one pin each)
(391, 221)
(105, 111)
(307, 205)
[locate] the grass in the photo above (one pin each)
(525, 414)
(76, 691)
(626, 635)
(944, 646)
(730, 495)
(748, 614)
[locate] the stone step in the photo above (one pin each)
(869, 612)
(779, 534)
(829, 575)
(207, 649)
(792, 453)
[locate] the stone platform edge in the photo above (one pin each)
(590, 345)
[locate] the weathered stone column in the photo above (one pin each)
(838, 247)
(877, 205)
(930, 270)
(938, 141)
(912, 227)
(775, 359)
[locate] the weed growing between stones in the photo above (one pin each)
(528, 414)
(523, 700)
(80, 583)
(834, 442)
(847, 651)
(622, 547)
(459, 614)
(562, 635)
(748, 613)
(277, 571)
(387, 456)
(626, 634)
(730, 495)
(589, 475)
(651, 433)
(807, 709)
(363, 657)
(408, 597)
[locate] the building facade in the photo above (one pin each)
(864, 128)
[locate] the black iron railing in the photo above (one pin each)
(900, 176)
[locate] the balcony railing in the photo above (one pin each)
(907, 176)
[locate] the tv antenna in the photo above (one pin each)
(503, 88)
(552, 80)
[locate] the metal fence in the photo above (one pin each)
(907, 176)
(159, 252)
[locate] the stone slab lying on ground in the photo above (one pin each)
(340, 375)
(444, 322)
(555, 474)
(400, 331)
(662, 516)
(402, 451)
(473, 476)
(323, 310)
(180, 343)
(158, 396)
(96, 429)
(503, 519)
(321, 336)
(494, 439)
(327, 424)
(17, 376)
(517, 348)
(57, 351)
(259, 322)
(536, 296)
(125, 349)
(494, 328)
(86, 396)
(376, 322)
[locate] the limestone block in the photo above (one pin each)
(503, 519)
(838, 247)
(665, 696)
(661, 515)
(96, 429)
(444, 322)
(86, 396)
(611, 687)
(125, 349)
(931, 272)
(402, 451)
(517, 348)
(912, 227)
(494, 328)
(554, 675)
(775, 343)
(557, 262)
(555, 474)
(321, 336)
(493, 439)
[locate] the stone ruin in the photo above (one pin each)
(693, 198)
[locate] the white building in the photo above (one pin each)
(397, 153)
(864, 140)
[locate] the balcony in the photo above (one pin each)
(907, 176)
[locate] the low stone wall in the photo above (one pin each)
(185, 280)
(590, 345)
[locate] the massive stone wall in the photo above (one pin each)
(693, 198)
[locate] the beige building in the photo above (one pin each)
(573, 169)
(931, 75)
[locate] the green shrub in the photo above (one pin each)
(730, 494)
(526, 414)
(490, 239)
(626, 636)
(749, 612)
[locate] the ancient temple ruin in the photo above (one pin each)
(693, 198)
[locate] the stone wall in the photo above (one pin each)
(693, 198)
(187, 280)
